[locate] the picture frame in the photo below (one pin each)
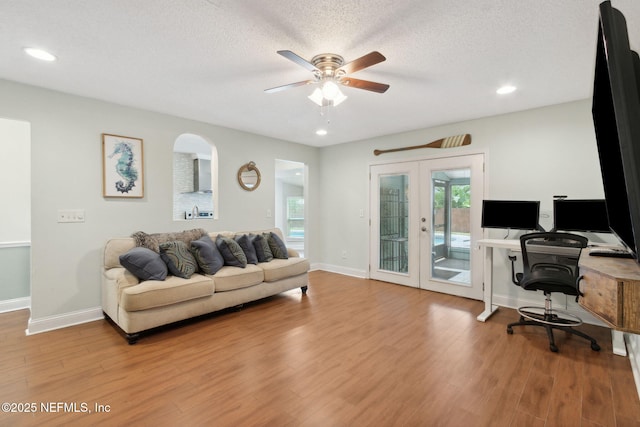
(122, 166)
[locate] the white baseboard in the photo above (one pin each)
(354, 272)
(50, 323)
(15, 304)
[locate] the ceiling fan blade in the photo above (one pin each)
(363, 62)
(364, 84)
(298, 60)
(289, 86)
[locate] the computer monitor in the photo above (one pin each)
(516, 214)
(580, 215)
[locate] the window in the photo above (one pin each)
(295, 217)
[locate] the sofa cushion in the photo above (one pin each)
(144, 263)
(260, 244)
(247, 247)
(277, 246)
(178, 258)
(207, 255)
(283, 268)
(154, 293)
(231, 252)
(229, 278)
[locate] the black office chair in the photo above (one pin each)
(550, 271)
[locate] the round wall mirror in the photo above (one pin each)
(249, 176)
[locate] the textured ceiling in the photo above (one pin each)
(210, 60)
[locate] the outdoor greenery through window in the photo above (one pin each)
(295, 217)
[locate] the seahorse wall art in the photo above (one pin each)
(125, 167)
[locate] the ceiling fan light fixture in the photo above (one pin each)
(330, 90)
(339, 98)
(316, 96)
(320, 100)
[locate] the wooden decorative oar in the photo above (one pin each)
(448, 142)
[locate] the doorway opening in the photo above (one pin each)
(290, 211)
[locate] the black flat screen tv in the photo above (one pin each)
(616, 118)
(580, 215)
(510, 214)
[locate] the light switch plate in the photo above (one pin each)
(71, 215)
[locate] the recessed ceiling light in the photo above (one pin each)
(506, 89)
(40, 54)
(321, 132)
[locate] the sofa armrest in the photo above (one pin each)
(114, 280)
(121, 278)
(293, 253)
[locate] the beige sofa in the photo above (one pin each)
(137, 306)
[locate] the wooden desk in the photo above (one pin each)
(611, 288)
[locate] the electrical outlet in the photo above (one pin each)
(268, 213)
(344, 254)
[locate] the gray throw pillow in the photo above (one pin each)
(231, 252)
(277, 246)
(207, 255)
(263, 251)
(178, 258)
(247, 247)
(144, 263)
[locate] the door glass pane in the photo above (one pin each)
(451, 226)
(394, 223)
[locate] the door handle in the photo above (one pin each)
(424, 229)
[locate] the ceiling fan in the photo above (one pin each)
(330, 70)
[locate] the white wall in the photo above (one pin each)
(530, 155)
(15, 215)
(15, 176)
(66, 174)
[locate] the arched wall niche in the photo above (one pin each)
(195, 178)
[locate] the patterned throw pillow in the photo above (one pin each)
(207, 255)
(178, 258)
(277, 246)
(263, 251)
(231, 252)
(247, 247)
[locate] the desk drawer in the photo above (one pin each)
(602, 297)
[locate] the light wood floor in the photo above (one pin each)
(352, 352)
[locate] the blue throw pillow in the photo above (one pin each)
(207, 255)
(144, 263)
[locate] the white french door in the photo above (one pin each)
(394, 221)
(425, 218)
